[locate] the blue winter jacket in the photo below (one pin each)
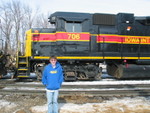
(52, 77)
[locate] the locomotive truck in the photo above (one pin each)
(81, 41)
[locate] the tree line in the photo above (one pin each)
(15, 19)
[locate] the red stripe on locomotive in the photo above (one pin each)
(61, 37)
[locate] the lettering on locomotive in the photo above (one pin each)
(137, 40)
(74, 36)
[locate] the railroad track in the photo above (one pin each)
(99, 88)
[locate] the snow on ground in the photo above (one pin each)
(115, 105)
(101, 82)
(78, 83)
(22, 88)
(5, 106)
(125, 105)
(26, 104)
(4, 103)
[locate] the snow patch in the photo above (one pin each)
(125, 105)
(6, 106)
(39, 109)
(4, 103)
(22, 88)
(101, 82)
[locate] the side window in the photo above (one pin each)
(73, 27)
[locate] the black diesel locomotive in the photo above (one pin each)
(82, 40)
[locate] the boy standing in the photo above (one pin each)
(52, 78)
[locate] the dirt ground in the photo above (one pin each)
(37, 104)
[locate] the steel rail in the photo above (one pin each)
(82, 90)
(85, 86)
(111, 88)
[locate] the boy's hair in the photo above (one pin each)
(53, 57)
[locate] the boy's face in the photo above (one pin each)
(53, 61)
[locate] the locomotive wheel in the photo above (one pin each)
(70, 76)
(119, 72)
(98, 77)
(115, 70)
(39, 75)
(1, 76)
(39, 70)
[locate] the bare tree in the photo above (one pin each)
(28, 22)
(42, 21)
(6, 25)
(16, 19)
(30, 16)
(22, 17)
(16, 8)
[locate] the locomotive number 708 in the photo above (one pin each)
(74, 36)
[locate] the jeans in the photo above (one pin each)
(52, 98)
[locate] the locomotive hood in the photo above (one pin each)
(52, 77)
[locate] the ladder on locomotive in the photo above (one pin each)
(23, 66)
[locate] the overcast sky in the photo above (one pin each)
(138, 7)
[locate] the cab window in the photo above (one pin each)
(73, 27)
